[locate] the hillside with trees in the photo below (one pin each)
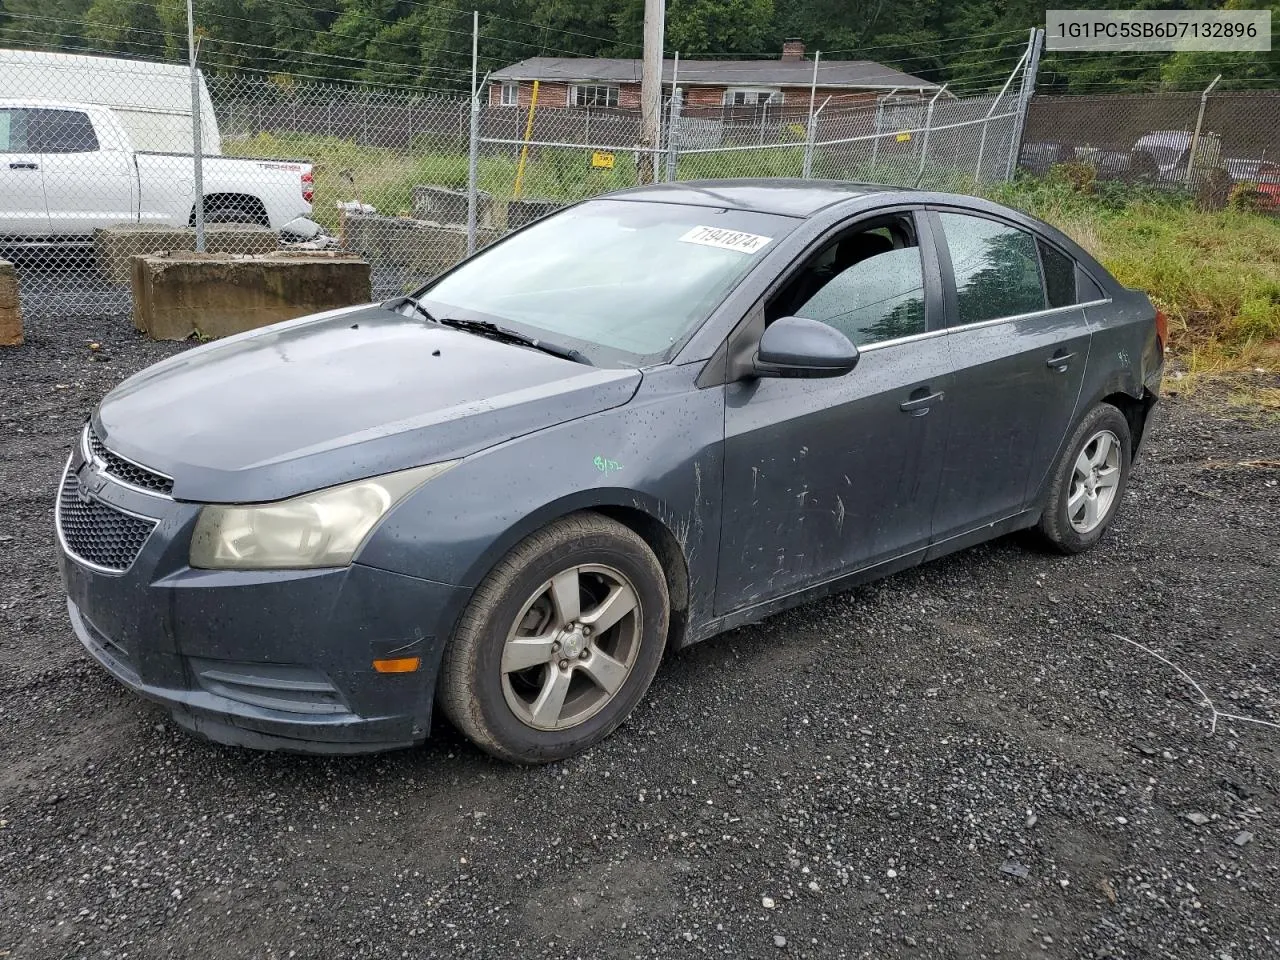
(971, 44)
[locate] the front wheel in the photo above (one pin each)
(559, 642)
(1088, 481)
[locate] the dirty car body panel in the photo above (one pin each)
(755, 492)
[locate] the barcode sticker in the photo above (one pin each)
(726, 239)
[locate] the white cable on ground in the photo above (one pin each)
(1213, 726)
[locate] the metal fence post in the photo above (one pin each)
(197, 122)
(1195, 137)
(473, 150)
(928, 125)
(673, 134)
(1024, 101)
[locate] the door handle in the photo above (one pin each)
(24, 165)
(1059, 361)
(919, 406)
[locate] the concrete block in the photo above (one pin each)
(520, 212)
(442, 205)
(10, 307)
(423, 248)
(116, 246)
(218, 294)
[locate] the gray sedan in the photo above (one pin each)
(642, 421)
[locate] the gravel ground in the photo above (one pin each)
(965, 760)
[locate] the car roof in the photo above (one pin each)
(782, 196)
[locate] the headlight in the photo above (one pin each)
(321, 529)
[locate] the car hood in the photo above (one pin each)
(338, 397)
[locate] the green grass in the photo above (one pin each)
(1215, 274)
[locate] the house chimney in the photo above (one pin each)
(792, 50)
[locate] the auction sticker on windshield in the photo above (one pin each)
(726, 239)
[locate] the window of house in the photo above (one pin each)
(868, 284)
(751, 96)
(13, 131)
(64, 131)
(593, 95)
(996, 270)
(510, 94)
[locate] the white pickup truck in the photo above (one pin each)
(67, 168)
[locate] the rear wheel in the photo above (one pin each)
(245, 211)
(559, 642)
(1088, 481)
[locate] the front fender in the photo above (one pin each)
(660, 455)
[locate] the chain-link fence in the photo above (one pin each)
(99, 160)
(1221, 146)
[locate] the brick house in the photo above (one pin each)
(731, 86)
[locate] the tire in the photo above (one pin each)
(1088, 481)
(512, 655)
(236, 214)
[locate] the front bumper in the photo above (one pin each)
(265, 659)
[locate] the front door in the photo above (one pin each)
(1018, 366)
(826, 476)
(22, 207)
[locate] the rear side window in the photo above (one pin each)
(1059, 276)
(996, 269)
(64, 131)
(13, 131)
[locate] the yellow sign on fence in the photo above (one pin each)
(601, 159)
(903, 137)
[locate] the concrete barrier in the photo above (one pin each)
(10, 307)
(520, 212)
(422, 247)
(216, 295)
(442, 205)
(115, 247)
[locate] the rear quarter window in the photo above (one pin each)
(1059, 276)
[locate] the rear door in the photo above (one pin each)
(89, 180)
(1018, 362)
(22, 207)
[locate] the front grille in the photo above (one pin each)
(96, 533)
(125, 470)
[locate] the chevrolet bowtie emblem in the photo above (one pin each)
(88, 483)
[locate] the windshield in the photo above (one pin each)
(623, 282)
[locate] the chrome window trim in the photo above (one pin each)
(65, 547)
(980, 324)
(101, 464)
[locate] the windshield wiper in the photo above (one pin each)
(417, 307)
(486, 328)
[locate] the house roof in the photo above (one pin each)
(856, 74)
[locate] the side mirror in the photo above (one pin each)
(797, 347)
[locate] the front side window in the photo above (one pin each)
(869, 285)
(995, 268)
(595, 95)
(13, 131)
(64, 131)
(624, 282)
(510, 94)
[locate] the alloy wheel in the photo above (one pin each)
(572, 647)
(1095, 480)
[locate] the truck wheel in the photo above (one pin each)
(236, 213)
(1088, 481)
(559, 642)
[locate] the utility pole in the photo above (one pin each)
(655, 12)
